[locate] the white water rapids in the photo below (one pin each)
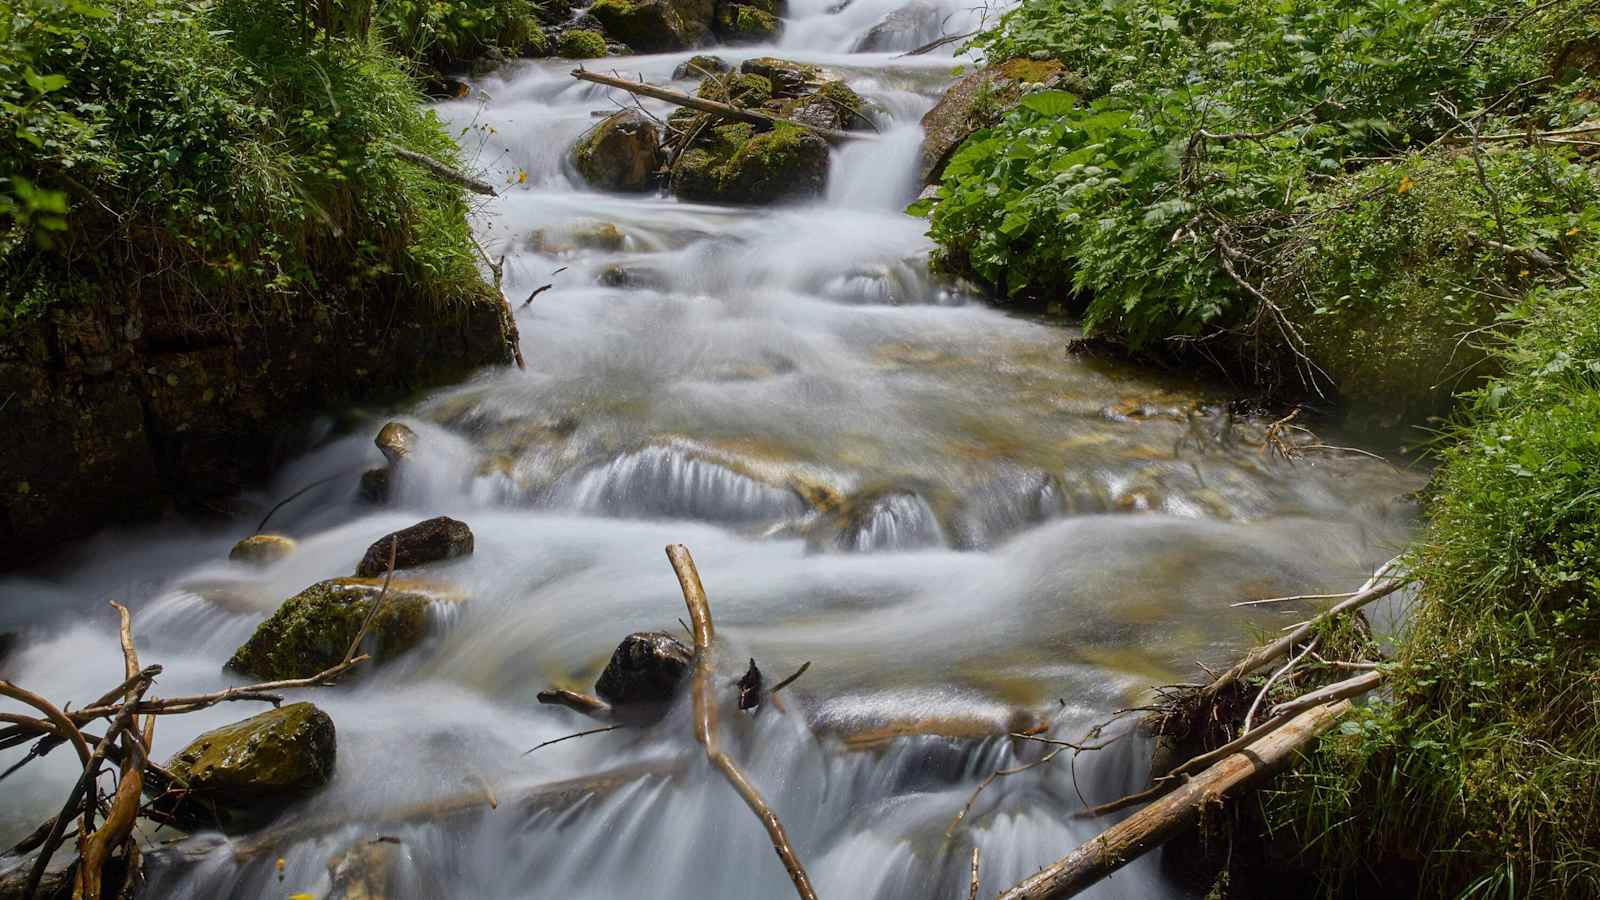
(1028, 530)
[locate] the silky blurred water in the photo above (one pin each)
(927, 498)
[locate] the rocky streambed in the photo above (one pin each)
(733, 342)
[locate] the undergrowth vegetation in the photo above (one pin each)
(1208, 180)
(446, 33)
(225, 151)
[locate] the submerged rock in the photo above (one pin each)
(599, 236)
(978, 101)
(246, 772)
(376, 485)
(364, 871)
(262, 549)
(312, 630)
(396, 441)
(621, 153)
(431, 540)
(644, 674)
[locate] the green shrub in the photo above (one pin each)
(581, 43)
(445, 33)
(1484, 768)
(230, 150)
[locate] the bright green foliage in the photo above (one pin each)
(1209, 124)
(1486, 764)
(232, 148)
(581, 43)
(448, 32)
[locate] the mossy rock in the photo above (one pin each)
(834, 105)
(620, 154)
(744, 91)
(581, 43)
(538, 44)
(312, 630)
(979, 100)
(700, 66)
(262, 549)
(737, 23)
(738, 165)
(249, 771)
(649, 26)
(789, 78)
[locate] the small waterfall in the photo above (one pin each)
(896, 521)
(665, 482)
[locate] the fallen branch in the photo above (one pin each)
(1154, 825)
(935, 44)
(973, 893)
(575, 735)
(988, 780)
(705, 718)
(587, 704)
(445, 172)
(728, 111)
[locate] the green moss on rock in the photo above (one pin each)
(312, 630)
(744, 91)
(581, 43)
(737, 23)
(250, 770)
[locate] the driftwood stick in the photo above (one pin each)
(587, 704)
(705, 718)
(578, 734)
(1339, 690)
(98, 843)
(166, 706)
(988, 780)
(447, 173)
(1155, 824)
(728, 111)
(56, 717)
(377, 604)
(973, 893)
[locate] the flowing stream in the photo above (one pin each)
(1006, 529)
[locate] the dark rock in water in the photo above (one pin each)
(978, 101)
(396, 441)
(375, 485)
(700, 66)
(740, 24)
(621, 153)
(432, 540)
(244, 773)
(789, 78)
(312, 630)
(9, 642)
(750, 693)
(906, 28)
(734, 164)
(644, 674)
(655, 26)
(262, 549)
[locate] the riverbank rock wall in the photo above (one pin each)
(115, 411)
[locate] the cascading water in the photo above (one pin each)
(926, 498)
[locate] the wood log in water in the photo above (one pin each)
(728, 111)
(1155, 824)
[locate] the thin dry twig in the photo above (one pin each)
(578, 734)
(973, 893)
(990, 779)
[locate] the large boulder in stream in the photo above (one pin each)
(312, 630)
(906, 28)
(734, 163)
(978, 101)
(656, 26)
(621, 153)
(246, 772)
(644, 673)
(431, 540)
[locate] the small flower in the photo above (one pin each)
(1572, 231)
(522, 176)
(1406, 183)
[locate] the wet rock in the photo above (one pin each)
(834, 106)
(700, 66)
(644, 674)
(599, 236)
(978, 101)
(376, 485)
(581, 43)
(741, 24)
(10, 641)
(428, 541)
(734, 164)
(365, 871)
(262, 549)
(396, 441)
(656, 26)
(246, 772)
(906, 28)
(621, 153)
(744, 91)
(312, 630)
(789, 78)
